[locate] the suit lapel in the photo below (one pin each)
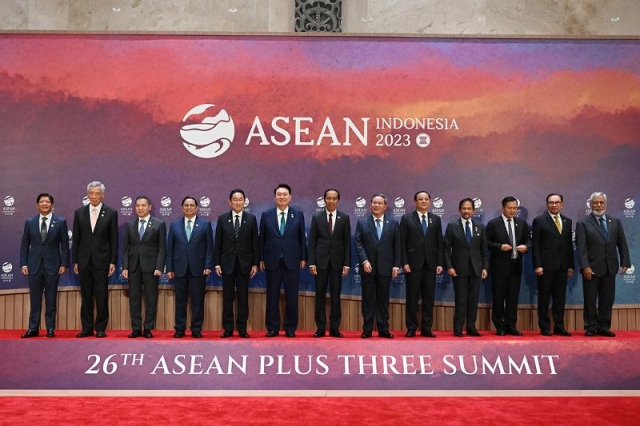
(594, 222)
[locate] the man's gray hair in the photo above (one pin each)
(96, 184)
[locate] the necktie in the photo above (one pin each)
(603, 226)
(282, 223)
(378, 228)
(141, 230)
(94, 218)
(424, 224)
(557, 221)
(236, 227)
(514, 253)
(43, 229)
(330, 223)
(188, 229)
(467, 231)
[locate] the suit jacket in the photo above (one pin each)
(552, 250)
(385, 253)
(292, 246)
(497, 235)
(458, 253)
(100, 246)
(325, 247)
(598, 252)
(147, 253)
(246, 248)
(194, 255)
(420, 250)
(54, 250)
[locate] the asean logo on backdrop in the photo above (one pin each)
(207, 132)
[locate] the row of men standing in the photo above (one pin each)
(383, 247)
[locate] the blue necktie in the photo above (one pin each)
(378, 228)
(467, 231)
(282, 223)
(424, 224)
(141, 230)
(188, 230)
(603, 226)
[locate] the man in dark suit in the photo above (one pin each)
(283, 252)
(600, 240)
(379, 253)
(189, 261)
(95, 252)
(467, 261)
(329, 260)
(236, 257)
(508, 239)
(44, 256)
(552, 252)
(143, 257)
(422, 259)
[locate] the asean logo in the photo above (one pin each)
(207, 134)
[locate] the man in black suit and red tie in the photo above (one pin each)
(44, 256)
(143, 254)
(422, 260)
(467, 261)
(602, 253)
(552, 252)
(509, 239)
(283, 252)
(95, 252)
(236, 257)
(379, 253)
(329, 260)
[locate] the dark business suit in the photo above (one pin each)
(141, 257)
(553, 252)
(468, 259)
(600, 253)
(236, 257)
(423, 253)
(43, 260)
(330, 252)
(187, 259)
(94, 251)
(383, 254)
(282, 255)
(506, 273)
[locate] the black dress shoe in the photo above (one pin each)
(606, 332)
(271, 333)
(590, 332)
(385, 334)
(178, 334)
(243, 334)
(51, 333)
(85, 334)
(545, 333)
(500, 331)
(427, 333)
(147, 334)
(410, 333)
(365, 334)
(561, 332)
(196, 334)
(457, 333)
(336, 333)
(473, 332)
(135, 333)
(290, 334)
(318, 333)
(513, 331)
(226, 334)
(101, 334)
(30, 333)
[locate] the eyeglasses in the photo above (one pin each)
(554, 202)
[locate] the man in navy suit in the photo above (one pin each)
(467, 261)
(236, 257)
(283, 252)
(329, 260)
(189, 261)
(422, 260)
(508, 239)
(379, 253)
(143, 255)
(44, 256)
(600, 240)
(552, 252)
(95, 252)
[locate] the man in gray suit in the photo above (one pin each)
(600, 240)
